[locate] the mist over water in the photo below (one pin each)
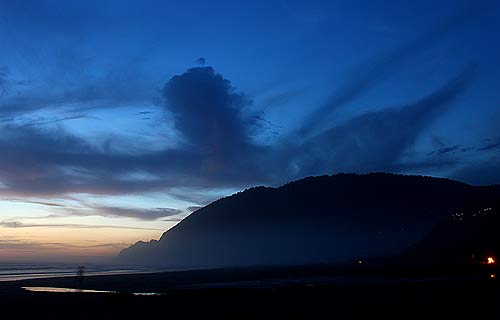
(23, 271)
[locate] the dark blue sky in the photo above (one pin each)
(108, 118)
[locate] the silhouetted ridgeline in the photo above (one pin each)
(321, 219)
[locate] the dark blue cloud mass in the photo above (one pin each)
(207, 111)
(218, 151)
(298, 94)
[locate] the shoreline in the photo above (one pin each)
(302, 293)
(255, 277)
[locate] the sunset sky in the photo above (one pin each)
(119, 118)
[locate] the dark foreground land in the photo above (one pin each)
(260, 294)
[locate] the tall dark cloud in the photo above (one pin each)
(207, 110)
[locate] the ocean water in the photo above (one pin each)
(22, 271)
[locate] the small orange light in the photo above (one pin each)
(493, 276)
(491, 260)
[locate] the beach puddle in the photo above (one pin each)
(72, 290)
(147, 294)
(53, 289)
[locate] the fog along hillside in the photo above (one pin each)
(325, 219)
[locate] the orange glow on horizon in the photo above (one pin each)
(62, 243)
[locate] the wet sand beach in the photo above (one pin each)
(257, 293)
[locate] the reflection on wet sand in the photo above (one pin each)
(52, 289)
(66, 290)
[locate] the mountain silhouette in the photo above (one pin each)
(324, 219)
